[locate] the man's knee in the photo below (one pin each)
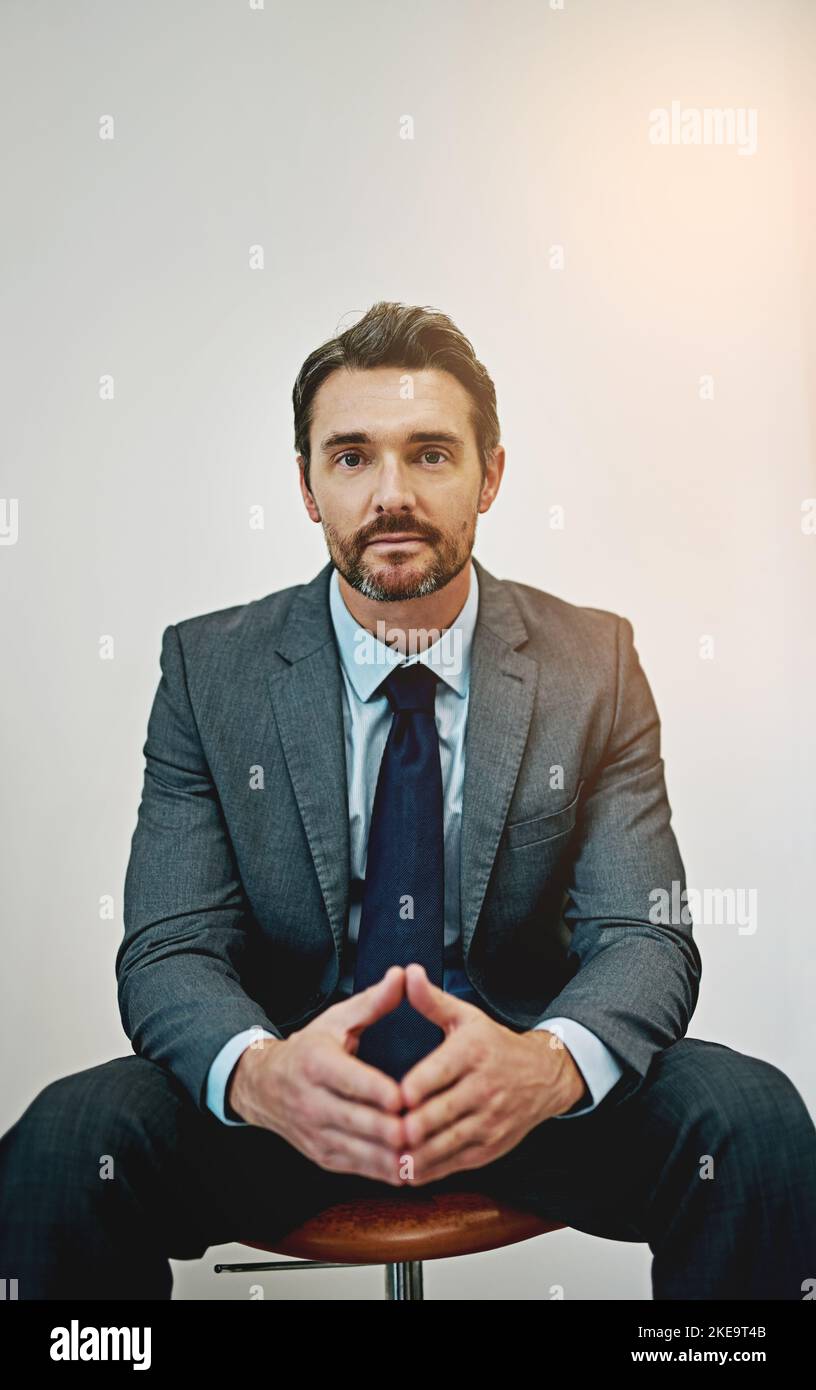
(93, 1168)
(94, 1111)
(723, 1091)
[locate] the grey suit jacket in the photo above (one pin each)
(237, 887)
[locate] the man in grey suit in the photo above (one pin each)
(404, 905)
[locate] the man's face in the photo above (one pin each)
(397, 484)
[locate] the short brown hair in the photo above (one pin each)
(399, 335)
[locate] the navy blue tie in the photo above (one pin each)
(403, 911)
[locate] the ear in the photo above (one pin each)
(308, 500)
(492, 481)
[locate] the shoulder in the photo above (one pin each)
(586, 650)
(550, 620)
(258, 619)
(582, 646)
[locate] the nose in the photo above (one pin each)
(392, 487)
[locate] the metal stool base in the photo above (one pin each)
(403, 1280)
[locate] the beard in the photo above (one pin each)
(401, 576)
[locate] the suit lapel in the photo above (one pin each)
(308, 706)
(500, 705)
(306, 695)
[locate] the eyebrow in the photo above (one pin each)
(418, 437)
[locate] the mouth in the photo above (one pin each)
(398, 540)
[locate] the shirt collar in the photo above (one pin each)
(367, 661)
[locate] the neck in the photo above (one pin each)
(424, 617)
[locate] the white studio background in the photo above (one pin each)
(646, 311)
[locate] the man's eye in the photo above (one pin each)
(433, 456)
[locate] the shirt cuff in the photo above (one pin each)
(598, 1066)
(221, 1069)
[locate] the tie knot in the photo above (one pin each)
(411, 688)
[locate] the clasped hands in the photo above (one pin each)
(468, 1102)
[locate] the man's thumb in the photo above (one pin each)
(436, 1004)
(364, 1008)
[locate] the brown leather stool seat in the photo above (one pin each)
(409, 1226)
(399, 1232)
